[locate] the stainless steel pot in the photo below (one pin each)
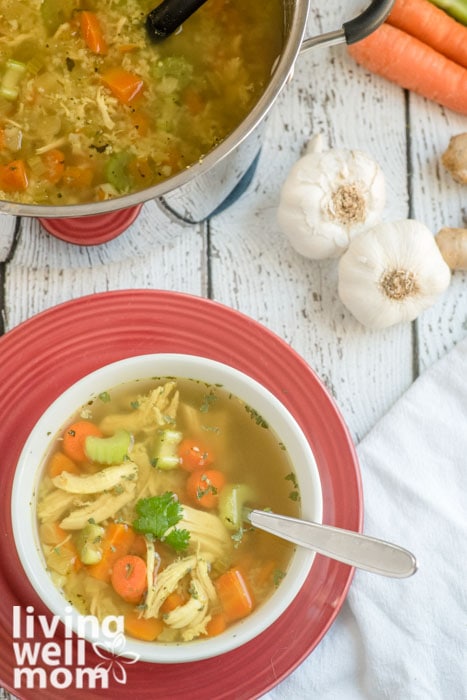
(196, 192)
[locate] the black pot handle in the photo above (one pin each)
(355, 29)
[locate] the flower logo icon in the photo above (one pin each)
(113, 660)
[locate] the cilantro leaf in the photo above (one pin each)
(158, 514)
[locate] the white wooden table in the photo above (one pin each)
(240, 257)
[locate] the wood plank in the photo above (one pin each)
(156, 252)
(256, 271)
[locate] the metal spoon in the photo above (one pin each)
(167, 17)
(350, 547)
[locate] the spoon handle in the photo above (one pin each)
(361, 551)
(167, 17)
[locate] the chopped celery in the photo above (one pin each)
(455, 8)
(175, 67)
(14, 71)
(116, 170)
(165, 449)
(231, 501)
(110, 450)
(88, 543)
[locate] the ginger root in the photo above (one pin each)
(452, 243)
(454, 158)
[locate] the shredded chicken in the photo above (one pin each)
(207, 533)
(155, 410)
(54, 505)
(104, 506)
(103, 480)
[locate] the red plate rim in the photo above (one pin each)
(47, 353)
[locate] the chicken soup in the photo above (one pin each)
(91, 109)
(140, 509)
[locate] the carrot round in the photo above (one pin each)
(422, 19)
(407, 61)
(203, 486)
(59, 463)
(193, 455)
(75, 436)
(128, 578)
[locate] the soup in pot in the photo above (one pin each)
(141, 509)
(91, 108)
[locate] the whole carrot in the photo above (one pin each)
(432, 26)
(407, 61)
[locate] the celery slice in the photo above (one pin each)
(111, 450)
(14, 71)
(166, 449)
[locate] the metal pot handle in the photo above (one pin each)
(355, 29)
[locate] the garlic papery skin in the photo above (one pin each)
(391, 273)
(328, 198)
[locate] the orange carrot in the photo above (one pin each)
(203, 486)
(116, 542)
(433, 26)
(59, 463)
(234, 594)
(128, 578)
(54, 161)
(123, 84)
(139, 546)
(216, 625)
(75, 436)
(174, 600)
(78, 176)
(92, 33)
(13, 176)
(147, 629)
(413, 65)
(193, 455)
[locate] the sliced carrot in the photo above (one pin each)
(422, 19)
(193, 455)
(234, 594)
(79, 176)
(75, 436)
(147, 629)
(127, 48)
(54, 161)
(413, 65)
(141, 122)
(216, 625)
(116, 542)
(123, 84)
(13, 176)
(59, 463)
(203, 486)
(92, 33)
(128, 578)
(174, 600)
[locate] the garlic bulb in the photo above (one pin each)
(392, 273)
(328, 198)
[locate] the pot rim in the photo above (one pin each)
(280, 74)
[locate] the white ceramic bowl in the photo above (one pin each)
(140, 367)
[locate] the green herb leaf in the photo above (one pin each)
(157, 515)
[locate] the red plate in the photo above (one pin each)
(47, 353)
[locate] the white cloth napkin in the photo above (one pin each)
(406, 639)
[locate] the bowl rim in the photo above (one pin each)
(27, 474)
